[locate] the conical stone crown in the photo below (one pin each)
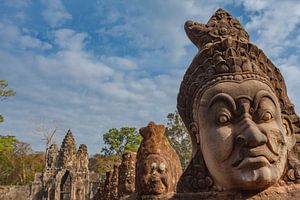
(67, 152)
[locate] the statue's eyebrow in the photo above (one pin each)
(223, 97)
(261, 94)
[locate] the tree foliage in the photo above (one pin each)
(18, 163)
(121, 141)
(103, 163)
(179, 138)
(4, 93)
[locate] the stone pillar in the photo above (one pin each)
(126, 185)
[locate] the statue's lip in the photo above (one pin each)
(253, 163)
(259, 154)
(157, 187)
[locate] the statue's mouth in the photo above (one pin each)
(254, 158)
(156, 186)
(253, 163)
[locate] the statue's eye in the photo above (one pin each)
(162, 167)
(223, 119)
(153, 165)
(267, 116)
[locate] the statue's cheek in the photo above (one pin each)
(220, 142)
(277, 138)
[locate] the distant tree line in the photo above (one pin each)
(18, 163)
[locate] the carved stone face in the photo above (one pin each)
(243, 136)
(156, 175)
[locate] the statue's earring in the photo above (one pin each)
(195, 131)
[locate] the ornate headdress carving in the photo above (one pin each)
(225, 54)
(220, 26)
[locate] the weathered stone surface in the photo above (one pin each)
(66, 174)
(67, 152)
(114, 183)
(233, 100)
(15, 192)
(51, 157)
(82, 159)
(158, 167)
(36, 190)
(126, 182)
(291, 192)
(110, 188)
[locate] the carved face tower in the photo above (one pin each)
(234, 103)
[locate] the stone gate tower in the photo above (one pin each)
(66, 175)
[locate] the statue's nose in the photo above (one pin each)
(250, 135)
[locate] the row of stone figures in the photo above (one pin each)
(154, 170)
(66, 175)
(120, 182)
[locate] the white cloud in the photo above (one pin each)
(69, 39)
(291, 72)
(11, 37)
(55, 13)
(19, 4)
(157, 26)
(256, 5)
(82, 91)
(120, 63)
(273, 22)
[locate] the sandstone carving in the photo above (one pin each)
(51, 156)
(114, 184)
(234, 102)
(66, 174)
(67, 152)
(82, 158)
(110, 188)
(158, 167)
(126, 179)
(106, 187)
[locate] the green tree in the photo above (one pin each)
(18, 163)
(6, 158)
(179, 138)
(103, 163)
(120, 141)
(4, 93)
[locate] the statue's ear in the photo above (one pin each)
(291, 140)
(193, 127)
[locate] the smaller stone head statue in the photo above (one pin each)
(234, 103)
(158, 167)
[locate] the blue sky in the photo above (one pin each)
(92, 65)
